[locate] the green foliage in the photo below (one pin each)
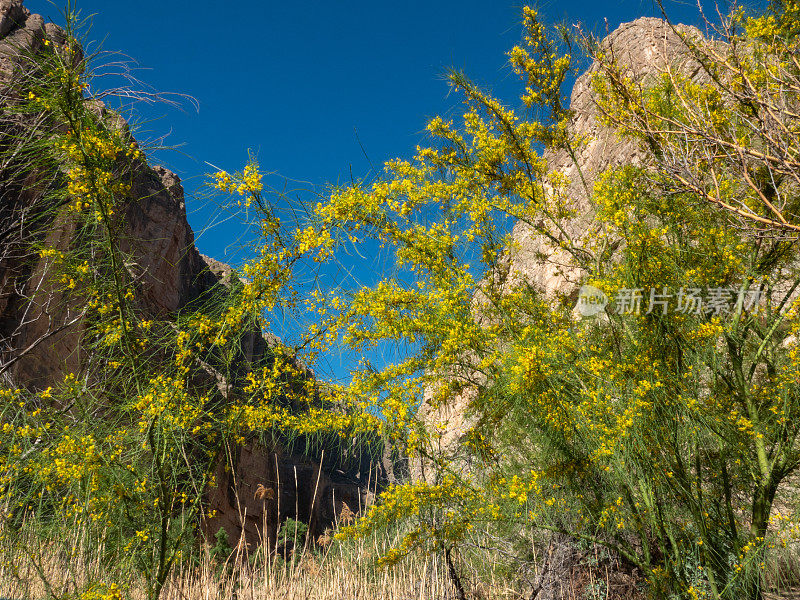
(111, 463)
(221, 549)
(294, 532)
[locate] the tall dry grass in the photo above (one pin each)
(344, 572)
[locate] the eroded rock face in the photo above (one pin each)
(41, 331)
(170, 272)
(12, 16)
(643, 48)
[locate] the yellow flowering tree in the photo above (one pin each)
(661, 429)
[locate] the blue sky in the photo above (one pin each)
(319, 91)
(301, 83)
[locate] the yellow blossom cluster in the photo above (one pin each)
(168, 400)
(248, 184)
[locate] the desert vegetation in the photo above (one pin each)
(593, 304)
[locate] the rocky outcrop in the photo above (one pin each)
(41, 329)
(38, 339)
(171, 273)
(643, 49)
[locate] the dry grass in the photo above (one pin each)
(315, 578)
(343, 573)
(340, 571)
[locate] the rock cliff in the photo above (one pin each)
(642, 48)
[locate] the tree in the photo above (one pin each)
(661, 430)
